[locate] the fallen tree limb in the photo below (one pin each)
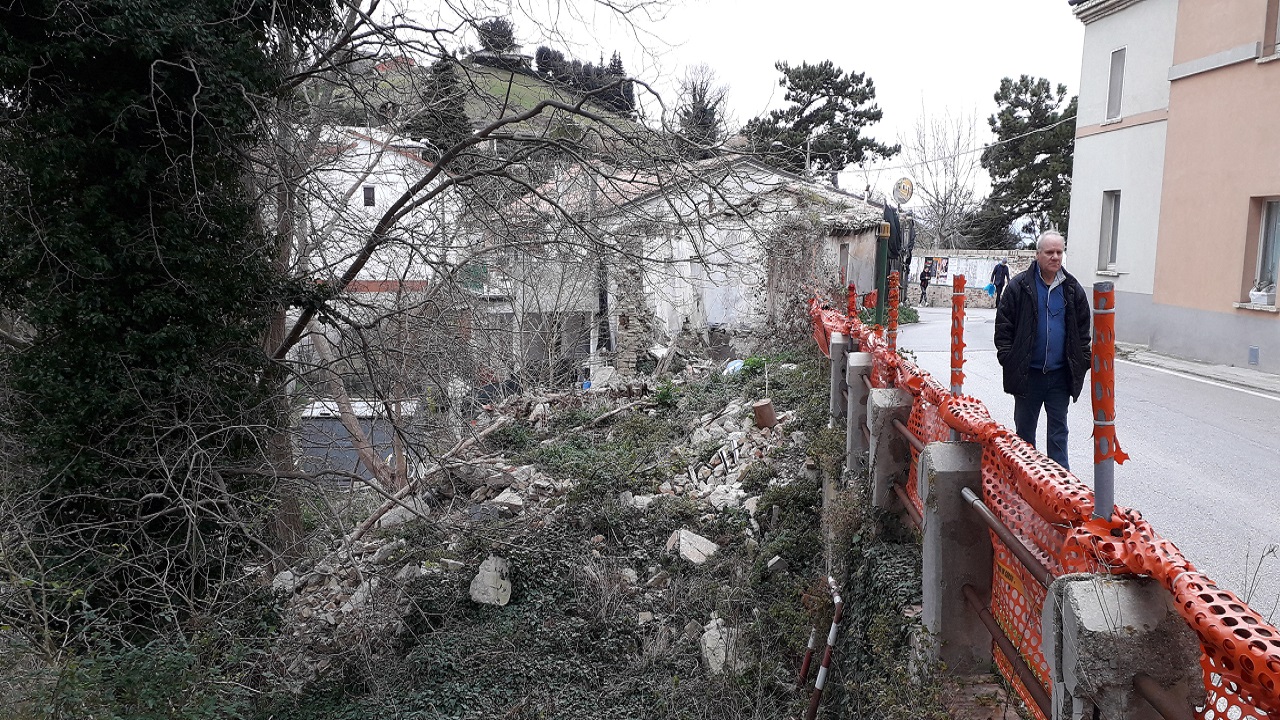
(412, 485)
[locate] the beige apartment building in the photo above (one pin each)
(1176, 184)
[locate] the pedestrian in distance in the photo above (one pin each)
(999, 277)
(1043, 344)
(926, 274)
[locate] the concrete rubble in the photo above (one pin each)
(492, 584)
(358, 593)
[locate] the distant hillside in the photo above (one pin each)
(388, 91)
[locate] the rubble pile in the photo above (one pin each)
(356, 594)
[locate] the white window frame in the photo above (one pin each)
(1115, 85)
(1109, 234)
(1270, 220)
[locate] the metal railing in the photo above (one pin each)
(1051, 524)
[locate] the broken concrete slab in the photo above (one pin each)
(691, 546)
(492, 584)
(719, 647)
(509, 500)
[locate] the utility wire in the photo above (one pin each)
(962, 153)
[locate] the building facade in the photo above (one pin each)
(1176, 188)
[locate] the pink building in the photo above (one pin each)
(1176, 187)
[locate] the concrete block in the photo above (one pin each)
(956, 552)
(856, 443)
(1100, 631)
(889, 451)
(837, 377)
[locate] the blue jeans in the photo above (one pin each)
(1052, 390)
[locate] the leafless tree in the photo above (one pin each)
(942, 154)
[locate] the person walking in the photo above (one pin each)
(1043, 344)
(926, 274)
(999, 277)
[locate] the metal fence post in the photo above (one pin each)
(1106, 449)
(957, 340)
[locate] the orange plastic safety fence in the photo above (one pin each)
(1102, 378)
(1050, 510)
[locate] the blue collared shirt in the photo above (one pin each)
(1051, 326)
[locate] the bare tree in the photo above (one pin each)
(942, 154)
(700, 115)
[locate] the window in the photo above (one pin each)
(1269, 247)
(368, 196)
(1109, 237)
(844, 263)
(1116, 88)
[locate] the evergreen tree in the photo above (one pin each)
(129, 256)
(700, 114)
(1030, 162)
(442, 121)
(550, 62)
(823, 126)
(497, 35)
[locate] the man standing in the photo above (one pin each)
(926, 274)
(999, 277)
(1043, 344)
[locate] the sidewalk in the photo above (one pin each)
(1230, 375)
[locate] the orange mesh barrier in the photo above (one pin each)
(1103, 379)
(1050, 510)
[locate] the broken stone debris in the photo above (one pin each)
(357, 592)
(719, 647)
(492, 584)
(691, 546)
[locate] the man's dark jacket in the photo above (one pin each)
(1016, 321)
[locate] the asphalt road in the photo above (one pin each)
(1204, 463)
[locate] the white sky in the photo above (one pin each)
(925, 56)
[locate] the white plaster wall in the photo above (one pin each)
(340, 223)
(1147, 31)
(1130, 160)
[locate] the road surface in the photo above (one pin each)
(1204, 463)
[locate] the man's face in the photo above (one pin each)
(1049, 257)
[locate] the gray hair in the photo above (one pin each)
(1049, 234)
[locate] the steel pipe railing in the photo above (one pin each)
(910, 436)
(1019, 549)
(1020, 667)
(912, 512)
(1160, 699)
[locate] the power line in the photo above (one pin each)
(962, 153)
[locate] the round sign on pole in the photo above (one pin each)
(902, 190)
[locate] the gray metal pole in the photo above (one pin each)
(1102, 380)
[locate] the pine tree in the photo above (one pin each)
(442, 122)
(823, 127)
(700, 115)
(497, 35)
(1030, 162)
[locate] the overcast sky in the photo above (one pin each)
(925, 56)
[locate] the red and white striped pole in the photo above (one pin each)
(808, 658)
(816, 698)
